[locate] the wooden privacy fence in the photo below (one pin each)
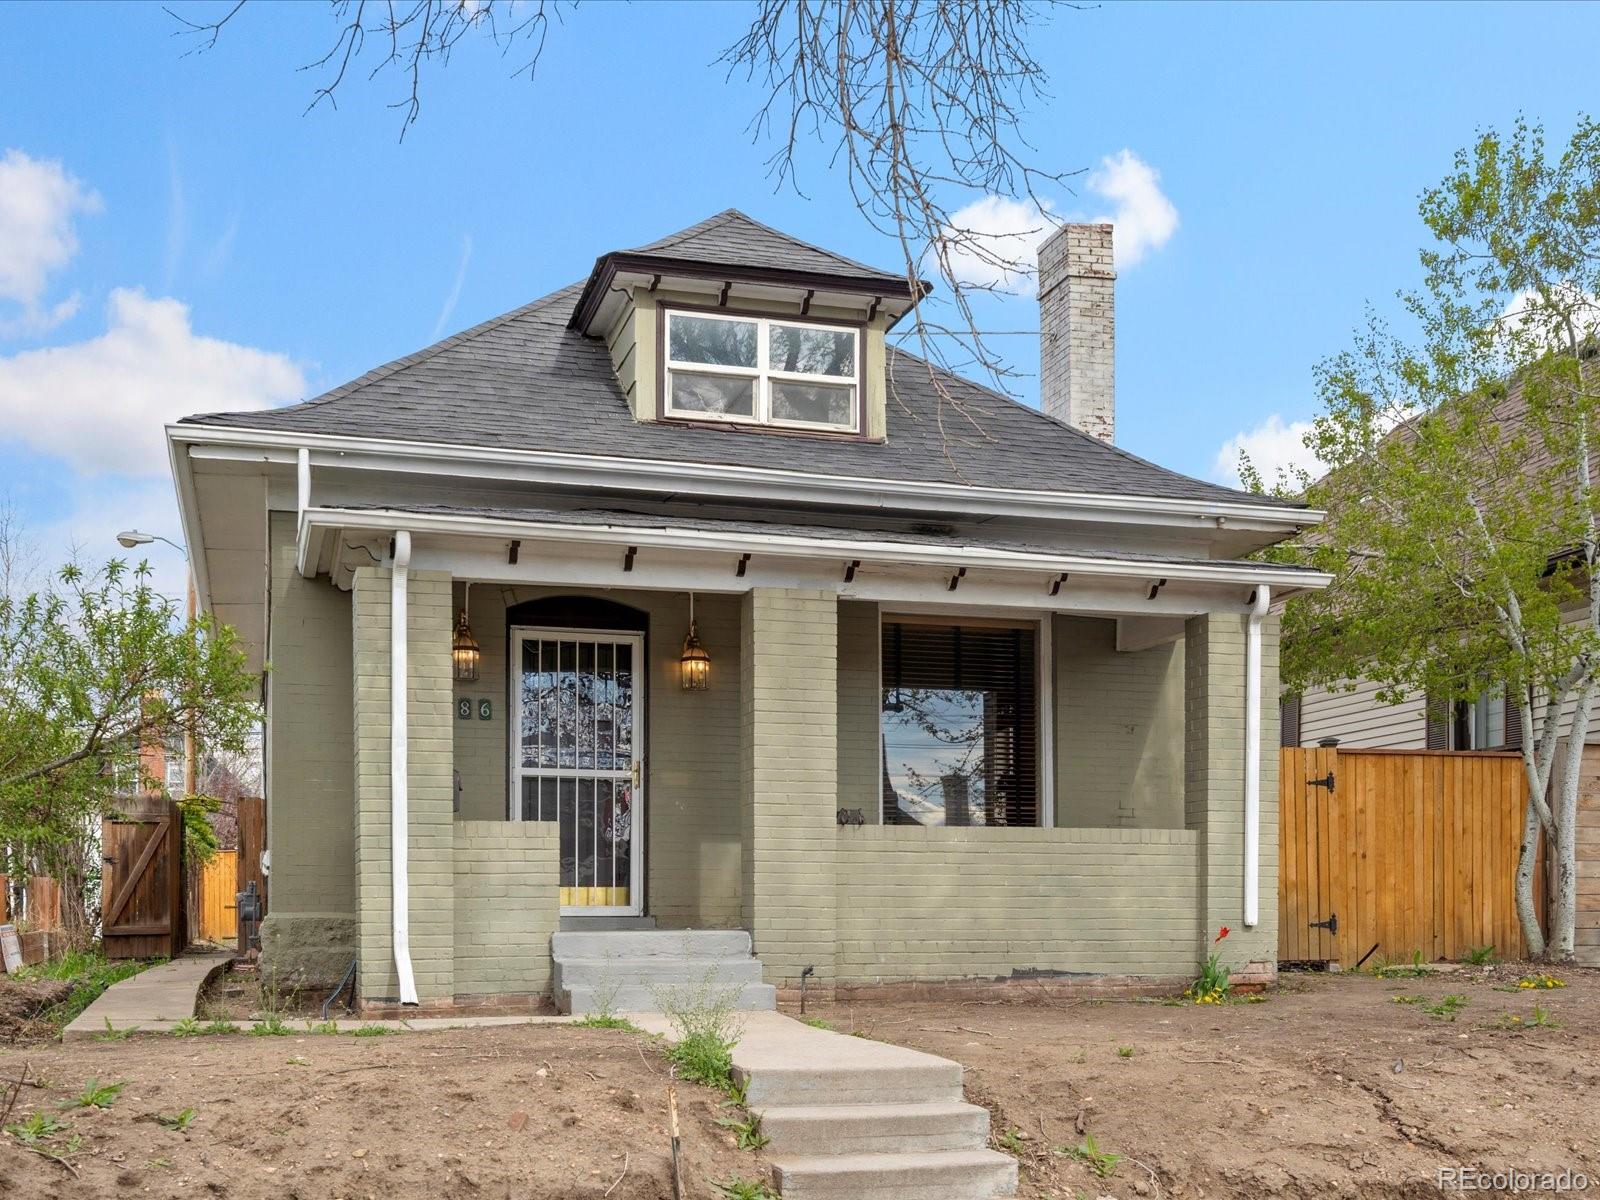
(215, 902)
(142, 888)
(1405, 850)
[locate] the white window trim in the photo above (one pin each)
(762, 373)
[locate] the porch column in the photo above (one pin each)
(788, 656)
(430, 828)
(1214, 684)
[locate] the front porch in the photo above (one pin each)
(899, 772)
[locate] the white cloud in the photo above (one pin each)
(447, 310)
(1274, 446)
(996, 241)
(38, 204)
(87, 532)
(997, 238)
(1145, 219)
(100, 404)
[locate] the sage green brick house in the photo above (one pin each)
(682, 599)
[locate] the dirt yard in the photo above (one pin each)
(1328, 1087)
(535, 1112)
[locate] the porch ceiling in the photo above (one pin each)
(613, 548)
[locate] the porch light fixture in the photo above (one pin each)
(464, 652)
(695, 665)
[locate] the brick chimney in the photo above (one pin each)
(1078, 329)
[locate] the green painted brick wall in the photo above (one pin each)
(431, 863)
(310, 776)
(1119, 729)
(507, 904)
(1214, 779)
(919, 904)
(789, 766)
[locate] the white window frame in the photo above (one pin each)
(762, 373)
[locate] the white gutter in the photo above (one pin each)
(399, 815)
(1252, 755)
(716, 479)
(781, 546)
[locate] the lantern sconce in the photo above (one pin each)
(464, 651)
(695, 665)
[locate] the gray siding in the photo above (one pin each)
(1359, 719)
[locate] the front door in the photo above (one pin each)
(578, 700)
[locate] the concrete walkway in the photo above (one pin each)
(855, 1119)
(160, 996)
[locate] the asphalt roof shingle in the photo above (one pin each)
(524, 381)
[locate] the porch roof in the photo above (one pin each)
(924, 547)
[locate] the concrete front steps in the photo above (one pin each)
(853, 1119)
(633, 970)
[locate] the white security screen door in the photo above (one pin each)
(579, 706)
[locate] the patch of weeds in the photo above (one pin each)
(1102, 1162)
(1409, 999)
(704, 1057)
(1215, 977)
(747, 1129)
(597, 1020)
(1446, 1007)
(269, 1026)
(89, 973)
(96, 1095)
(178, 1121)
(745, 1189)
(220, 1027)
(815, 1022)
(1124, 1051)
(1541, 981)
(1540, 1019)
(188, 1027)
(159, 1164)
(1412, 970)
(1479, 956)
(707, 1029)
(113, 1034)
(297, 1061)
(374, 1031)
(322, 1027)
(40, 1127)
(1010, 1141)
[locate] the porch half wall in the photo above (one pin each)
(929, 904)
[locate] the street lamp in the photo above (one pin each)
(129, 538)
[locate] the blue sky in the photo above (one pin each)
(205, 243)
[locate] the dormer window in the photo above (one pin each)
(794, 374)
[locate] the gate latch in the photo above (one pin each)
(1325, 782)
(1331, 924)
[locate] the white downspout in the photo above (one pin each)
(398, 766)
(1252, 755)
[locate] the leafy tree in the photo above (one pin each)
(91, 671)
(1461, 489)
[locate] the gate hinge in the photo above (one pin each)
(1331, 924)
(1325, 782)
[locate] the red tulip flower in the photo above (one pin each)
(1221, 933)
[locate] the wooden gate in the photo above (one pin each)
(1403, 850)
(219, 884)
(142, 888)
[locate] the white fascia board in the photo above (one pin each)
(707, 480)
(189, 519)
(779, 545)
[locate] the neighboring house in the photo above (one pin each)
(717, 613)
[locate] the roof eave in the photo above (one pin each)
(607, 267)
